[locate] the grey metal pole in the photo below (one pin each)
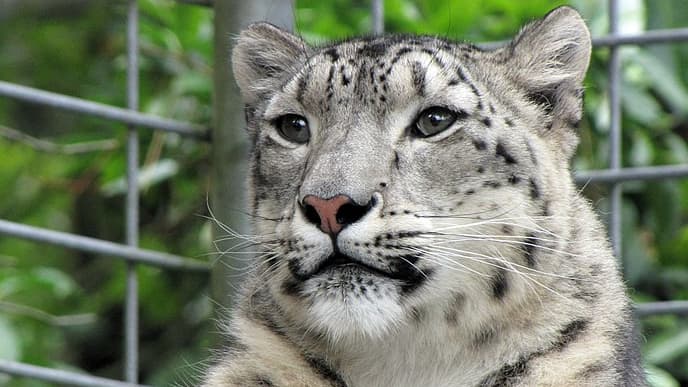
(58, 376)
(131, 312)
(228, 191)
(98, 246)
(65, 102)
(614, 69)
(378, 16)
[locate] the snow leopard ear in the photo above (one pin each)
(264, 55)
(549, 59)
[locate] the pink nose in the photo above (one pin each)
(327, 212)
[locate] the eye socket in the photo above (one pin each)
(293, 127)
(433, 120)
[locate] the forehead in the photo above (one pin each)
(379, 72)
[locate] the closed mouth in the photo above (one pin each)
(338, 261)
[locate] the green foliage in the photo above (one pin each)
(63, 308)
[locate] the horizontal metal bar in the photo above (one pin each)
(131, 117)
(59, 376)
(98, 246)
(627, 174)
(664, 307)
(646, 37)
(205, 3)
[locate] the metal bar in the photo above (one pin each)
(64, 102)
(204, 3)
(671, 35)
(131, 307)
(647, 37)
(98, 246)
(664, 307)
(616, 192)
(610, 176)
(378, 16)
(58, 376)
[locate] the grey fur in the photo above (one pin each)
(477, 263)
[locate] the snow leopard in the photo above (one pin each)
(415, 218)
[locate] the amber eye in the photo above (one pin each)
(432, 121)
(293, 127)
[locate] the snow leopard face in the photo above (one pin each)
(394, 177)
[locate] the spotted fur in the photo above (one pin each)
(465, 258)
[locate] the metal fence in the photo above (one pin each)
(614, 176)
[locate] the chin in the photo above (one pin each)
(350, 304)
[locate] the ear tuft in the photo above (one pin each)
(263, 56)
(553, 49)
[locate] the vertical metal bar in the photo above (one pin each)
(131, 316)
(615, 198)
(378, 16)
(229, 142)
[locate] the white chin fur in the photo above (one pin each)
(345, 316)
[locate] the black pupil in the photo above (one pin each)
(296, 124)
(436, 119)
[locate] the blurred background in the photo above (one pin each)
(63, 308)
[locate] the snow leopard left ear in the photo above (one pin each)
(549, 59)
(263, 57)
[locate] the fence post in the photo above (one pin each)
(228, 188)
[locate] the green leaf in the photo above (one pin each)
(657, 377)
(148, 176)
(10, 349)
(667, 348)
(667, 83)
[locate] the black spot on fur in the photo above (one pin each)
(373, 50)
(303, 85)
(480, 169)
(469, 192)
(513, 179)
(534, 189)
(453, 82)
(479, 144)
(413, 278)
(262, 381)
(461, 74)
(507, 375)
(323, 369)
(396, 159)
(486, 121)
(332, 53)
(570, 333)
(452, 312)
(509, 122)
(484, 337)
(501, 151)
(529, 245)
(499, 284)
(418, 75)
(474, 90)
(510, 374)
(402, 51)
(292, 287)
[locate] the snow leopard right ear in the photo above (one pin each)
(263, 57)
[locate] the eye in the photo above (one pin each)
(293, 127)
(432, 121)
